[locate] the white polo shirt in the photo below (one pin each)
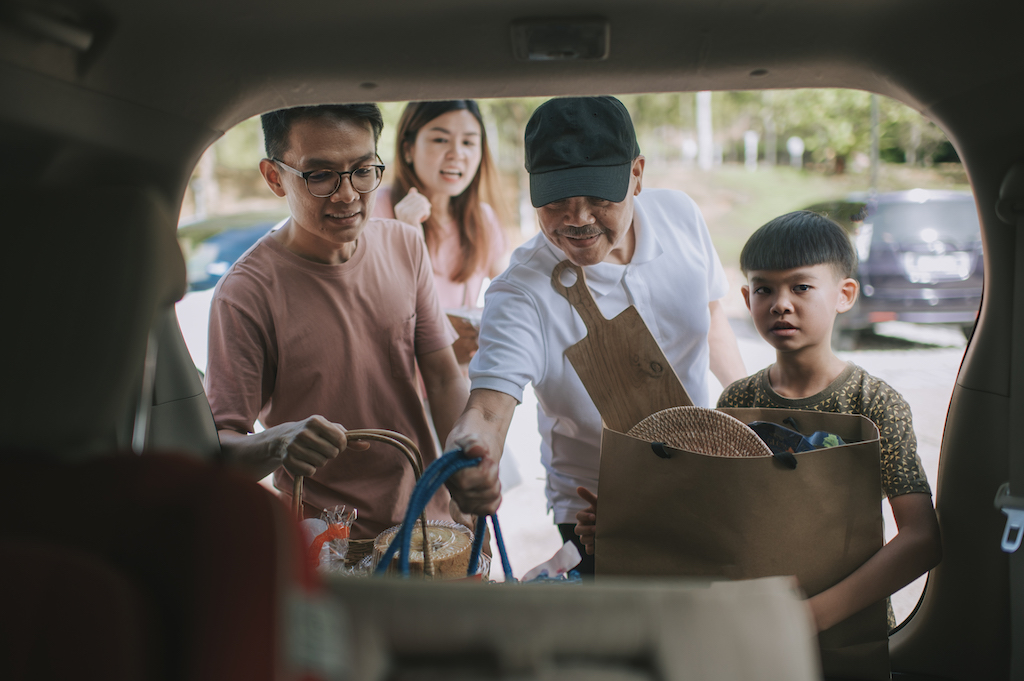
(527, 326)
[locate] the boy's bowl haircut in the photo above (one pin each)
(802, 238)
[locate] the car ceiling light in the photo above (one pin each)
(60, 30)
(561, 39)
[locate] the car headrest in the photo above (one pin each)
(89, 270)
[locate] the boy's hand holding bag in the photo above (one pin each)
(719, 504)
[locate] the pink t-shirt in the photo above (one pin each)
(290, 338)
(449, 253)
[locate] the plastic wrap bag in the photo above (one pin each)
(326, 538)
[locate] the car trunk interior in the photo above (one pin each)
(108, 106)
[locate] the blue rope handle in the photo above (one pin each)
(433, 477)
(431, 480)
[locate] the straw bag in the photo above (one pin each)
(700, 430)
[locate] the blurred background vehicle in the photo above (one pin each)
(211, 246)
(920, 258)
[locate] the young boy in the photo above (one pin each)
(800, 271)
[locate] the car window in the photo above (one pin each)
(736, 195)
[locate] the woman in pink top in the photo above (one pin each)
(443, 176)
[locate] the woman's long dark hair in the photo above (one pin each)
(467, 208)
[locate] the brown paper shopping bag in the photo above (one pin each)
(667, 511)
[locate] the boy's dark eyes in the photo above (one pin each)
(799, 288)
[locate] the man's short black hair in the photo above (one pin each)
(277, 124)
(800, 239)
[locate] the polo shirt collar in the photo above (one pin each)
(603, 277)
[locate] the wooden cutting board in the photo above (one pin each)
(621, 365)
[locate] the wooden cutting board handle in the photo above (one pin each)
(619, 361)
(578, 294)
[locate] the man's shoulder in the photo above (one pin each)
(391, 229)
(673, 216)
(393, 242)
(257, 265)
(658, 199)
(661, 194)
(530, 265)
(251, 281)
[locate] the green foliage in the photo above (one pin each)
(392, 112)
(834, 124)
(241, 147)
(509, 117)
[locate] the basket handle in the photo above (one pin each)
(408, 449)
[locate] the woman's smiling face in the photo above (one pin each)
(446, 153)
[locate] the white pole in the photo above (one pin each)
(750, 139)
(795, 147)
(705, 137)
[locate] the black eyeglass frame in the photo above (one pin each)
(340, 173)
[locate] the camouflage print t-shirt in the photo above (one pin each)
(854, 391)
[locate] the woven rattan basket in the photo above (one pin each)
(700, 430)
(360, 548)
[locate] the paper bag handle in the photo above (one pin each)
(785, 458)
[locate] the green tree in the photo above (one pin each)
(241, 147)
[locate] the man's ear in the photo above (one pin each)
(745, 290)
(272, 174)
(849, 289)
(638, 172)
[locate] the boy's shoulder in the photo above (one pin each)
(869, 389)
(854, 391)
(744, 392)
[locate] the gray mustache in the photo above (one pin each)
(580, 233)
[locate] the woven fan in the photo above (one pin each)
(705, 431)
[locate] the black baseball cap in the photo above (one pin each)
(580, 146)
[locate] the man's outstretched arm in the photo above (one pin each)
(480, 432)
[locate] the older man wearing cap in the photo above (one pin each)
(650, 250)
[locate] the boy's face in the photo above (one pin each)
(795, 309)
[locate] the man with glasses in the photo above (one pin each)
(321, 325)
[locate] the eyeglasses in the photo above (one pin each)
(323, 183)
